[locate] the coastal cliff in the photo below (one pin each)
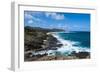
(37, 41)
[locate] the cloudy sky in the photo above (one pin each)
(66, 21)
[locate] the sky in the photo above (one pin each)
(66, 21)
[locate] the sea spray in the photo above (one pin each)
(66, 49)
(68, 46)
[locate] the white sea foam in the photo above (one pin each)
(68, 46)
(39, 52)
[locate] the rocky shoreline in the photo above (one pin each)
(44, 57)
(37, 40)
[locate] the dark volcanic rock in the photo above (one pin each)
(52, 42)
(34, 41)
(81, 55)
(28, 55)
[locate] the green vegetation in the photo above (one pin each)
(34, 39)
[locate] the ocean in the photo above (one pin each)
(77, 41)
(83, 38)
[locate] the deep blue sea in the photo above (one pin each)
(77, 41)
(83, 38)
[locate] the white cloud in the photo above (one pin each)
(55, 16)
(36, 19)
(29, 16)
(30, 21)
